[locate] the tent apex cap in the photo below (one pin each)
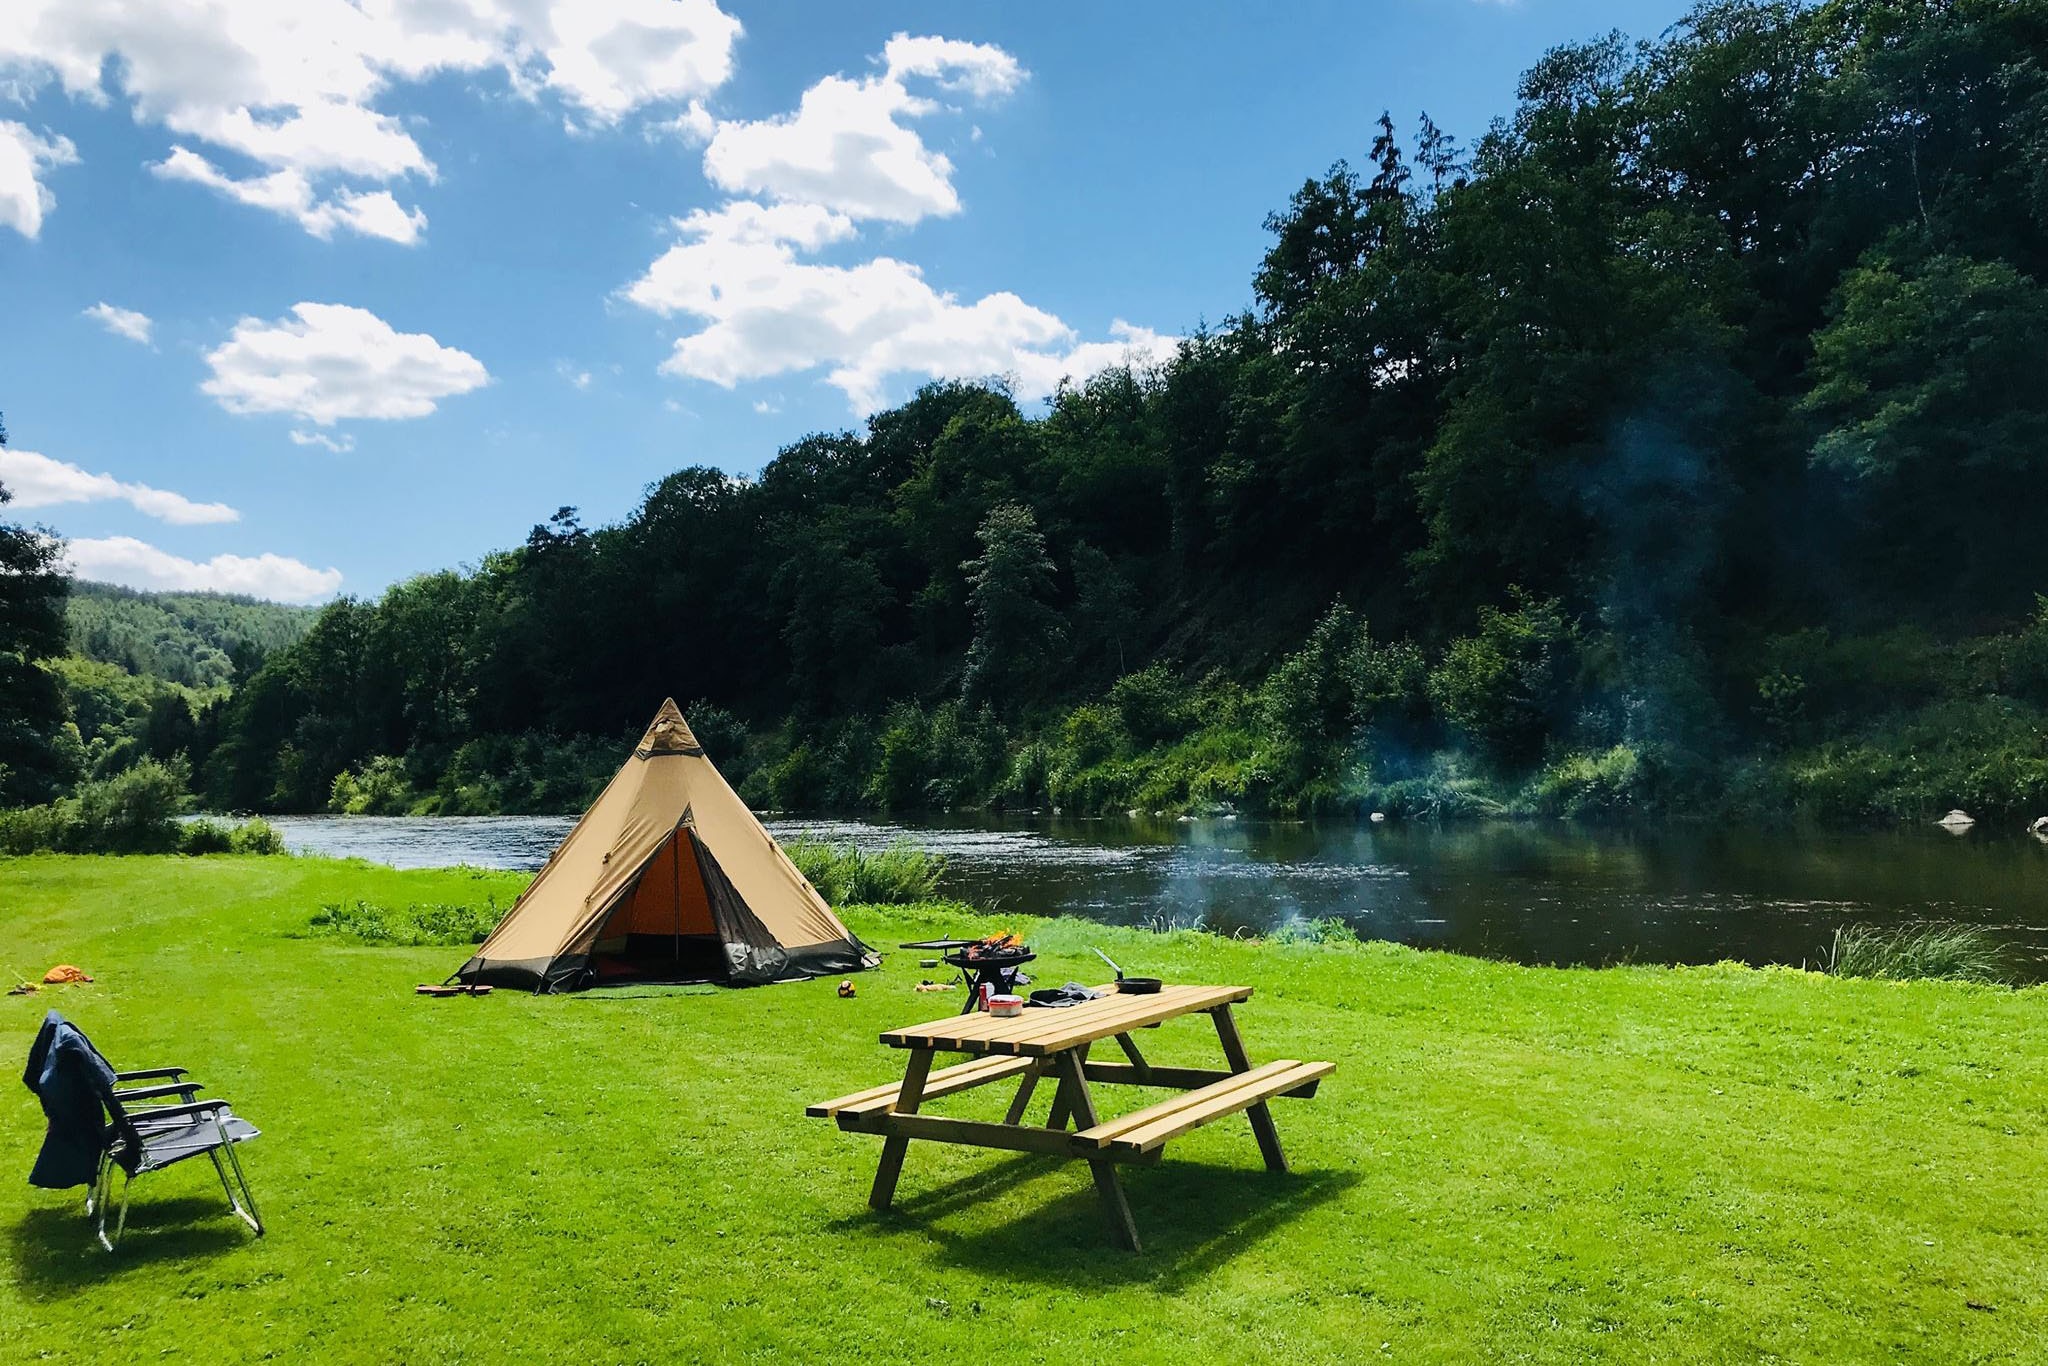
(668, 733)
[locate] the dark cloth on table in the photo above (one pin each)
(1072, 994)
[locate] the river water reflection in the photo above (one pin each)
(1535, 893)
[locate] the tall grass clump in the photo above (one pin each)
(1320, 931)
(844, 876)
(419, 923)
(204, 835)
(1957, 953)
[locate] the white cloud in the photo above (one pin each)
(291, 86)
(122, 322)
(24, 199)
(577, 379)
(846, 147)
(979, 70)
(769, 313)
(1039, 373)
(138, 564)
(38, 481)
(695, 125)
(609, 57)
(376, 213)
(331, 361)
(340, 445)
(849, 153)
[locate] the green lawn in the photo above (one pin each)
(1510, 1164)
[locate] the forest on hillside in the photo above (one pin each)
(196, 640)
(135, 671)
(1675, 447)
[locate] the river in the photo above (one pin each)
(1534, 893)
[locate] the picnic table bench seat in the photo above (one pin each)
(944, 1082)
(1142, 1131)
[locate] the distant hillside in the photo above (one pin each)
(187, 638)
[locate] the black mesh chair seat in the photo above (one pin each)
(174, 1140)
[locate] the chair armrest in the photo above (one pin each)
(175, 1088)
(197, 1107)
(151, 1074)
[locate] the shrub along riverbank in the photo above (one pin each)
(1510, 1163)
(134, 812)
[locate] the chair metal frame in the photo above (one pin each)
(135, 1126)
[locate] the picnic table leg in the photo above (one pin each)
(1262, 1118)
(1062, 1100)
(893, 1147)
(1130, 1048)
(1023, 1100)
(1109, 1186)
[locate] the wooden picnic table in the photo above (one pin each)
(1056, 1042)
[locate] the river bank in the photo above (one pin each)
(1537, 892)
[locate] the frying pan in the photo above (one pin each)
(1131, 986)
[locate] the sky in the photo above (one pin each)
(302, 298)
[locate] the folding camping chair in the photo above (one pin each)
(155, 1137)
(65, 1070)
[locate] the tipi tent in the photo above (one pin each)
(668, 877)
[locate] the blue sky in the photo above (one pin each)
(306, 298)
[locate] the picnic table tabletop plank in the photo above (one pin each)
(1039, 1032)
(983, 1025)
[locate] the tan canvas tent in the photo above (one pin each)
(668, 877)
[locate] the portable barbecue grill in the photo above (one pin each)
(997, 969)
(980, 964)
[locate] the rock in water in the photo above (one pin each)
(1957, 819)
(2039, 827)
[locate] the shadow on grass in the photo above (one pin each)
(1192, 1217)
(55, 1250)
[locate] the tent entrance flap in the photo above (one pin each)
(662, 929)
